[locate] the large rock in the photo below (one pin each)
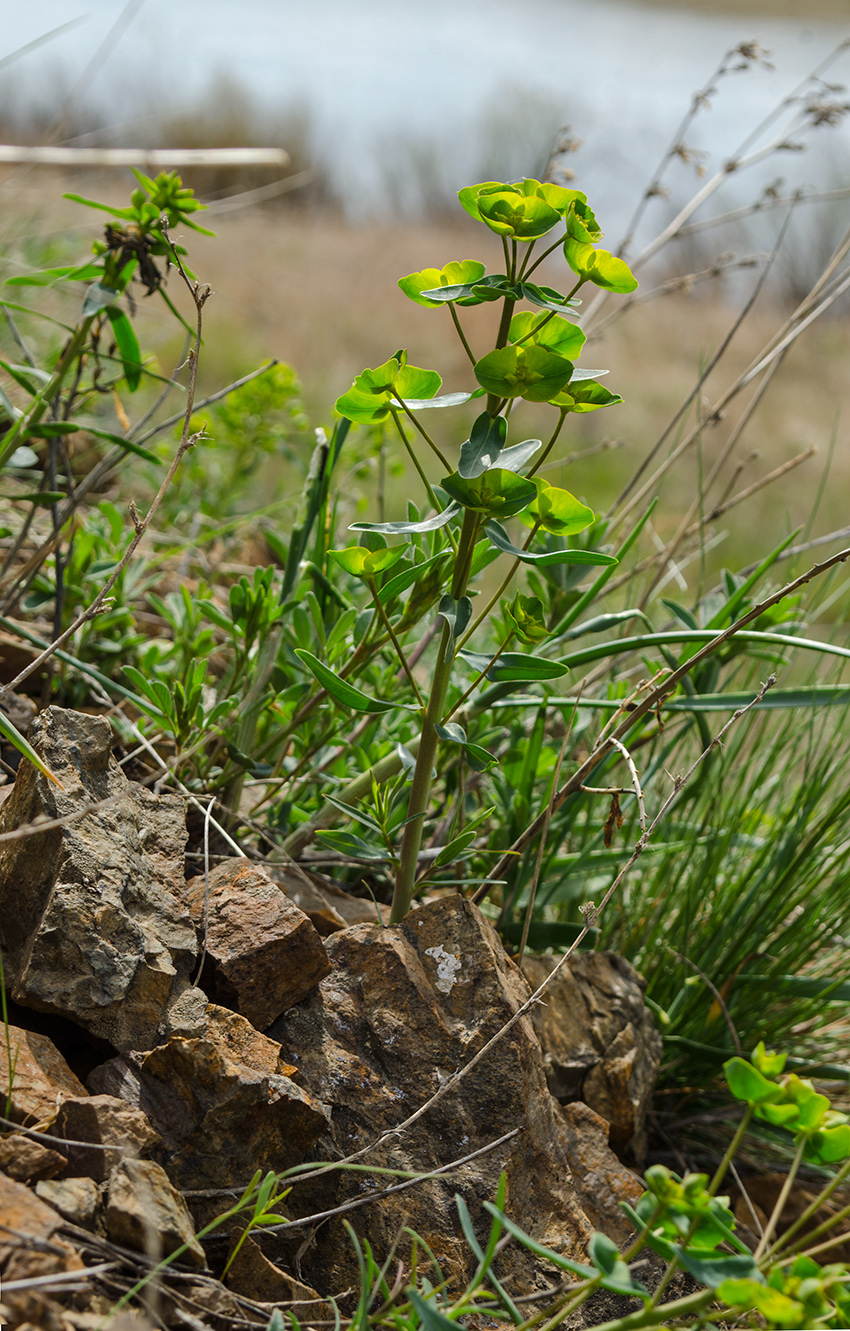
(41, 1081)
(94, 922)
(599, 1041)
(219, 1119)
(401, 1011)
(115, 1130)
(262, 952)
(145, 1212)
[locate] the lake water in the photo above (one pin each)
(402, 94)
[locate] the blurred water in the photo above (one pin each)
(430, 89)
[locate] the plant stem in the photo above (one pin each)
(373, 588)
(420, 791)
(550, 445)
(460, 332)
(781, 1199)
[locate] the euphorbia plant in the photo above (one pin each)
(532, 358)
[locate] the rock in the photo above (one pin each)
(599, 1041)
(21, 1212)
(77, 1199)
(93, 919)
(326, 905)
(42, 1078)
(29, 1250)
(602, 1182)
(219, 1119)
(241, 1043)
(27, 1161)
(263, 954)
(402, 1010)
(254, 1276)
(104, 1121)
(146, 1213)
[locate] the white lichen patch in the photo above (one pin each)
(448, 966)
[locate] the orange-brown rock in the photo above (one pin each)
(27, 1160)
(219, 1119)
(42, 1078)
(601, 1181)
(262, 952)
(401, 1011)
(145, 1212)
(599, 1041)
(242, 1043)
(114, 1129)
(77, 1199)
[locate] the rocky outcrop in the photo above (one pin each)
(262, 952)
(94, 922)
(599, 1041)
(401, 1011)
(219, 1119)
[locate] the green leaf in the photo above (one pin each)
(89, 272)
(546, 297)
(457, 614)
(14, 737)
(126, 444)
(399, 528)
(588, 396)
(495, 492)
(454, 849)
(529, 372)
(713, 1271)
(777, 1307)
(557, 333)
(454, 274)
(478, 757)
(515, 667)
(828, 1146)
(97, 298)
(484, 445)
(344, 693)
(581, 222)
(413, 382)
(499, 537)
(128, 347)
(363, 563)
(747, 1083)
(617, 1277)
(430, 1317)
(408, 576)
(444, 400)
(490, 288)
(599, 267)
(346, 843)
(50, 429)
(528, 617)
(44, 497)
(557, 511)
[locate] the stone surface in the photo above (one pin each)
(27, 1160)
(145, 1212)
(93, 918)
(601, 1180)
(220, 1120)
(599, 1041)
(253, 1275)
(104, 1121)
(42, 1078)
(327, 906)
(77, 1199)
(403, 1009)
(263, 954)
(241, 1043)
(21, 1212)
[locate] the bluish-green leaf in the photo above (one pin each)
(400, 528)
(481, 450)
(501, 540)
(478, 757)
(515, 667)
(340, 689)
(98, 297)
(457, 614)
